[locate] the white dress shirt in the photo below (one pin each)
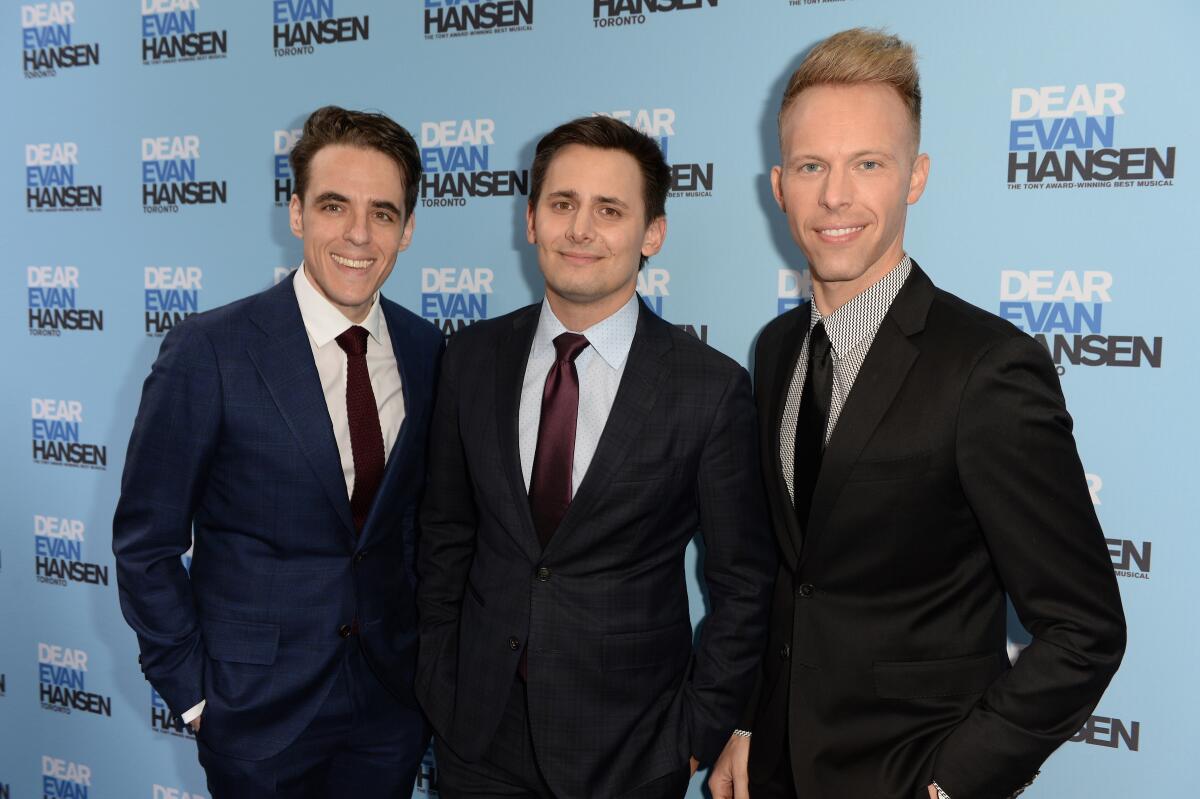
(600, 367)
(325, 323)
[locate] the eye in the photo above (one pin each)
(560, 205)
(810, 168)
(383, 216)
(333, 208)
(870, 165)
(610, 212)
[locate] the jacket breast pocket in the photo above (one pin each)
(241, 641)
(644, 649)
(904, 467)
(644, 471)
(930, 678)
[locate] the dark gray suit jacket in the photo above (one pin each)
(618, 693)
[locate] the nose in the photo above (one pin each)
(836, 190)
(580, 228)
(357, 231)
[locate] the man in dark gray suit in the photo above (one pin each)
(577, 445)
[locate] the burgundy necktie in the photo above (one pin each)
(550, 483)
(366, 437)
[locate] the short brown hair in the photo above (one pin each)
(333, 125)
(607, 133)
(860, 55)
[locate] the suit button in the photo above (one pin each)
(514, 644)
(543, 574)
(345, 631)
(805, 590)
(358, 557)
(785, 652)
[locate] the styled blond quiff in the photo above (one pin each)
(860, 55)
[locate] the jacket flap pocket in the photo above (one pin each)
(241, 641)
(638, 650)
(902, 468)
(928, 678)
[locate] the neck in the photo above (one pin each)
(578, 317)
(830, 295)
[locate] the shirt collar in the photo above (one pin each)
(861, 317)
(611, 337)
(322, 320)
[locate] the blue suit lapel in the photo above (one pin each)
(407, 356)
(285, 362)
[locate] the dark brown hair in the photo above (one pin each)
(332, 125)
(607, 133)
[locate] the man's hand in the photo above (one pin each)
(932, 792)
(195, 723)
(729, 779)
(693, 764)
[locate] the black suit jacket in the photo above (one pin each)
(951, 480)
(618, 694)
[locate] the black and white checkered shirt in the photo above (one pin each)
(851, 330)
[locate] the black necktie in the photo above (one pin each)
(812, 420)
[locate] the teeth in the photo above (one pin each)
(352, 264)
(841, 231)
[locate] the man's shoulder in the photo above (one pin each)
(424, 332)
(956, 320)
(687, 350)
(486, 334)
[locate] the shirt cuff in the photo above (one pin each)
(192, 713)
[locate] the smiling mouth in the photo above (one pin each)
(580, 257)
(351, 263)
(839, 232)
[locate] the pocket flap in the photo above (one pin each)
(880, 469)
(241, 641)
(927, 678)
(638, 650)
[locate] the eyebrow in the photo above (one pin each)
(571, 194)
(387, 205)
(851, 157)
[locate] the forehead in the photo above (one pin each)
(858, 117)
(593, 171)
(349, 170)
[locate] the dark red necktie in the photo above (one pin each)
(550, 483)
(366, 437)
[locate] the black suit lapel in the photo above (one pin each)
(791, 341)
(887, 364)
(511, 357)
(645, 371)
(285, 362)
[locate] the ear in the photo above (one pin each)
(406, 238)
(916, 181)
(530, 236)
(777, 187)
(655, 235)
(296, 216)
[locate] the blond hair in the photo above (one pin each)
(860, 55)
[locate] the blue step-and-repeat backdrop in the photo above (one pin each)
(143, 177)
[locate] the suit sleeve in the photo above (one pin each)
(446, 547)
(1024, 481)
(739, 564)
(174, 436)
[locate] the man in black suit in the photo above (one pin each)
(577, 445)
(920, 467)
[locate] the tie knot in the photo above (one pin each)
(353, 340)
(569, 345)
(818, 341)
